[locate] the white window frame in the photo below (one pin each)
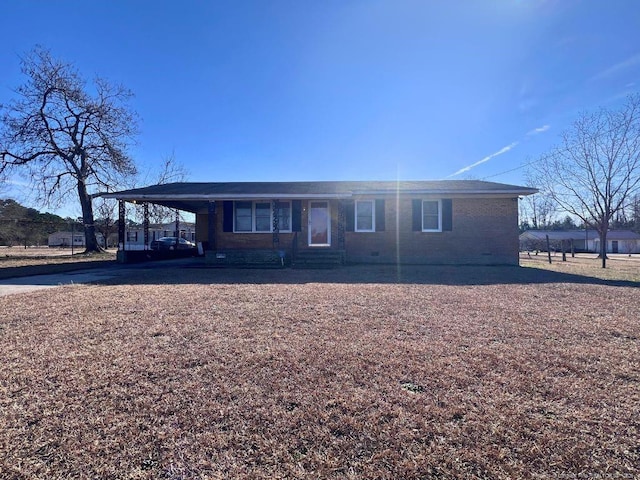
(373, 216)
(439, 202)
(253, 216)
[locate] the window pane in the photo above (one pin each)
(364, 223)
(263, 224)
(430, 208)
(364, 215)
(430, 223)
(243, 216)
(263, 217)
(430, 215)
(365, 208)
(243, 224)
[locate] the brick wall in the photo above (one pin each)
(485, 231)
(230, 240)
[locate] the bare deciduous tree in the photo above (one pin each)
(106, 221)
(170, 171)
(537, 210)
(634, 208)
(595, 170)
(71, 139)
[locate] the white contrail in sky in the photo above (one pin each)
(485, 159)
(618, 67)
(538, 130)
(530, 133)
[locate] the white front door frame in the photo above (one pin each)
(319, 221)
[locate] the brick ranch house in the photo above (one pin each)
(411, 222)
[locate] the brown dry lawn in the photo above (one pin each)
(20, 262)
(361, 372)
(35, 256)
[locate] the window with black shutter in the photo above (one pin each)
(432, 215)
(447, 215)
(380, 218)
(227, 216)
(350, 215)
(296, 215)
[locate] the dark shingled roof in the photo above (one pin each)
(318, 188)
(191, 195)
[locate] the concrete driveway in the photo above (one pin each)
(39, 282)
(89, 275)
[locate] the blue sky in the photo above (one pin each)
(342, 90)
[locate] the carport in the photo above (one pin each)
(163, 196)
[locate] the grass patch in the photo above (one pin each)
(42, 256)
(619, 266)
(197, 373)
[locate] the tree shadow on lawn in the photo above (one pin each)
(196, 273)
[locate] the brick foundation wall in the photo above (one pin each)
(247, 257)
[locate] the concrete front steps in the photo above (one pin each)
(318, 258)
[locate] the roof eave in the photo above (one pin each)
(252, 196)
(456, 193)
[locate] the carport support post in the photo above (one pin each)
(276, 224)
(177, 229)
(342, 215)
(211, 225)
(548, 248)
(121, 215)
(121, 255)
(145, 224)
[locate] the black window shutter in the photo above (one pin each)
(350, 215)
(296, 215)
(227, 216)
(380, 215)
(417, 215)
(447, 215)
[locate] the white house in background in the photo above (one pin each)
(68, 239)
(134, 236)
(618, 241)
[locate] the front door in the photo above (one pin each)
(614, 246)
(319, 224)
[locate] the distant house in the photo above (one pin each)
(68, 239)
(419, 222)
(618, 241)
